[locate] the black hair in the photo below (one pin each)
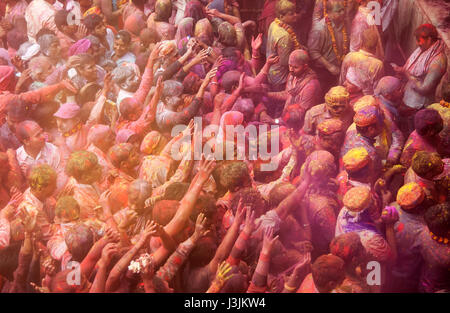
(437, 218)
(176, 191)
(44, 31)
(125, 36)
(92, 21)
(61, 19)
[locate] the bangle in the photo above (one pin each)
(256, 56)
(305, 225)
(289, 288)
(264, 257)
(214, 83)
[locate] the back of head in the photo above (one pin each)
(176, 191)
(283, 7)
(164, 211)
(369, 39)
(67, 208)
(163, 10)
(249, 197)
(229, 80)
(41, 176)
(426, 30)
(79, 240)
(328, 272)
(428, 122)
(427, 164)
(234, 176)
(347, 246)
(437, 218)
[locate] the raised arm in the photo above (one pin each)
(187, 203)
(177, 259)
(108, 252)
(259, 279)
(228, 241)
(241, 243)
(122, 265)
(293, 199)
(147, 77)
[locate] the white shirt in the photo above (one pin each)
(49, 154)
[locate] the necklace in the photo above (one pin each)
(333, 36)
(439, 239)
(73, 130)
(290, 31)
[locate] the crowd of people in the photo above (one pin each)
(94, 200)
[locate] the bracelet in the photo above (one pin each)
(289, 288)
(214, 83)
(264, 257)
(306, 225)
(256, 56)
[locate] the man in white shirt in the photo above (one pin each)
(35, 150)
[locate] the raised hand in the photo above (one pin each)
(268, 241)
(249, 224)
(128, 220)
(389, 215)
(108, 252)
(81, 31)
(210, 76)
(201, 57)
(150, 229)
(200, 227)
(273, 59)
(256, 42)
(155, 53)
(239, 216)
(188, 130)
(205, 169)
(212, 12)
(108, 83)
(241, 82)
(223, 273)
(112, 235)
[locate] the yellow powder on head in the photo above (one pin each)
(364, 102)
(356, 158)
(336, 93)
(410, 195)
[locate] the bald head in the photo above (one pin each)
(298, 62)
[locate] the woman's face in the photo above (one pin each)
(89, 71)
(100, 30)
(120, 48)
(65, 125)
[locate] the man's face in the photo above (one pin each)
(174, 102)
(370, 131)
(12, 122)
(289, 18)
(296, 68)
(131, 83)
(89, 71)
(331, 142)
(65, 125)
(337, 12)
(133, 159)
(424, 42)
(36, 138)
(99, 30)
(120, 48)
(338, 108)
